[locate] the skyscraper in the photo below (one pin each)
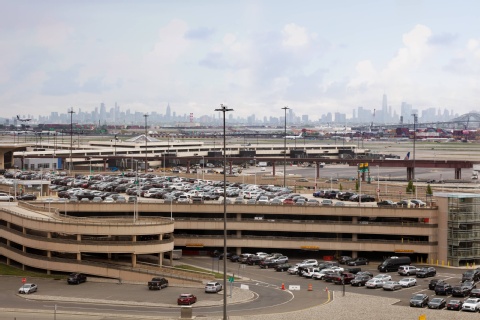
(168, 113)
(384, 109)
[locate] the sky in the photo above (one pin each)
(313, 56)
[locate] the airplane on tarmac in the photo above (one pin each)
(295, 137)
(22, 120)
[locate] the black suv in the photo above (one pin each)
(471, 275)
(76, 278)
(426, 272)
(443, 289)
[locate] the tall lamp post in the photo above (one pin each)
(146, 141)
(224, 109)
(71, 139)
(414, 140)
(285, 149)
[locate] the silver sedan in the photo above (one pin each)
(392, 286)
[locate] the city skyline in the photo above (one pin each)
(254, 56)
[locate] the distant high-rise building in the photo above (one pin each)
(168, 113)
(384, 109)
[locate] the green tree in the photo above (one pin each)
(340, 187)
(410, 187)
(356, 186)
(429, 189)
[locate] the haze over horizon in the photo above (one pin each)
(255, 56)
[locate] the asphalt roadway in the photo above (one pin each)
(109, 300)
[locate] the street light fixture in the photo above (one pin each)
(285, 149)
(224, 109)
(71, 139)
(414, 140)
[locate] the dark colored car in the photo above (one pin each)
(475, 293)
(283, 267)
(265, 264)
(459, 291)
(27, 197)
(454, 305)
(83, 195)
(386, 203)
(471, 275)
(186, 298)
(254, 260)
(358, 261)
(426, 272)
(433, 283)
(76, 278)
(234, 258)
(443, 289)
(470, 285)
(419, 300)
(344, 278)
(360, 281)
(437, 303)
(344, 259)
(331, 276)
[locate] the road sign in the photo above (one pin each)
(231, 279)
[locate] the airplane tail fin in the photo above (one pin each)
(18, 117)
(407, 157)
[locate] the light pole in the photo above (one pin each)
(315, 175)
(416, 188)
(285, 149)
(135, 203)
(255, 169)
(146, 145)
(203, 167)
(224, 109)
(414, 140)
(71, 139)
(331, 183)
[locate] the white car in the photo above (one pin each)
(408, 282)
(6, 197)
(407, 270)
(383, 277)
(471, 304)
(308, 263)
(374, 283)
(28, 288)
(213, 286)
(293, 270)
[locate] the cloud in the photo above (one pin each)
(294, 35)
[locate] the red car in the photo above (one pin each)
(288, 201)
(186, 298)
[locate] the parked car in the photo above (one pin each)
(418, 203)
(339, 204)
(186, 298)
(470, 285)
(471, 304)
(358, 261)
(443, 289)
(374, 283)
(426, 272)
(407, 270)
(344, 259)
(292, 270)
(76, 278)
(213, 286)
(27, 197)
(344, 278)
(383, 277)
(433, 283)
(475, 293)
(281, 260)
(386, 203)
(312, 202)
(405, 204)
(327, 202)
(454, 305)
(392, 285)
(360, 280)
(283, 267)
(459, 291)
(419, 300)
(254, 260)
(28, 288)
(473, 275)
(6, 197)
(437, 303)
(408, 282)
(266, 264)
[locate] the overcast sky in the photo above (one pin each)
(255, 56)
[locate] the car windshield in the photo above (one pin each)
(454, 301)
(471, 301)
(419, 297)
(436, 300)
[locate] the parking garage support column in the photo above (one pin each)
(188, 166)
(134, 260)
(317, 171)
(409, 174)
(230, 167)
(160, 259)
(458, 173)
(273, 168)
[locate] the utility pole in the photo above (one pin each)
(146, 143)
(285, 149)
(71, 140)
